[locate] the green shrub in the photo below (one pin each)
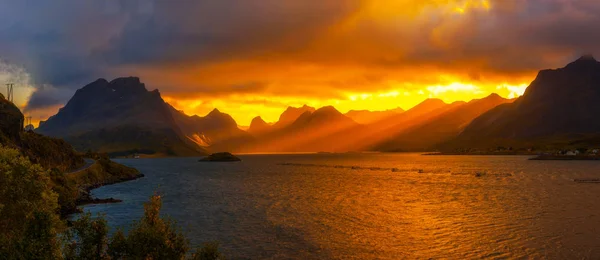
(210, 251)
(153, 237)
(117, 248)
(66, 190)
(30, 199)
(87, 238)
(28, 208)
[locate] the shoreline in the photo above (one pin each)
(565, 158)
(482, 153)
(102, 173)
(85, 197)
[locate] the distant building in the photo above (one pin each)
(572, 153)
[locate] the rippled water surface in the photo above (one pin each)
(373, 206)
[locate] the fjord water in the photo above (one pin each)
(354, 206)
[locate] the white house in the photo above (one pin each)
(572, 153)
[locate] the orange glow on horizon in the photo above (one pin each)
(244, 108)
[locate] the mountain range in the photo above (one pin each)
(444, 126)
(122, 117)
(367, 116)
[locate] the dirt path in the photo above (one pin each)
(88, 164)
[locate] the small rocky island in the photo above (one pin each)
(220, 157)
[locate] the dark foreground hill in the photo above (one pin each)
(46, 151)
(560, 108)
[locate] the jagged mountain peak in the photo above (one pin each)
(257, 119)
(428, 105)
(302, 108)
(124, 86)
(118, 117)
(586, 57)
(584, 63)
(494, 95)
(126, 81)
(258, 126)
(291, 114)
(328, 109)
(432, 101)
(214, 112)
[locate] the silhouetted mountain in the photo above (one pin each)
(442, 127)
(119, 117)
(368, 117)
(291, 114)
(372, 135)
(323, 117)
(217, 131)
(427, 106)
(559, 106)
(258, 126)
(304, 134)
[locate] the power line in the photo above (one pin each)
(9, 92)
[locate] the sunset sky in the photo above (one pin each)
(256, 57)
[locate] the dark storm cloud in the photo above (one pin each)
(219, 30)
(47, 96)
(514, 35)
(68, 43)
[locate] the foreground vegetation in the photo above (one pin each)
(31, 199)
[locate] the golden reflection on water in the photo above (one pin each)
(517, 208)
(374, 206)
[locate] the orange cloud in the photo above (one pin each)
(252, 58)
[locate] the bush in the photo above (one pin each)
(87, 239)
(28, 208)
(66, 190)
(152, 237)
(30, 223)
(210, 251)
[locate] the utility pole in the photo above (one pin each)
(9, 92)
(28, 125)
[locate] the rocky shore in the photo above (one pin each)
(103, 172)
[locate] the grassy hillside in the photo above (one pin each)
(49, 152)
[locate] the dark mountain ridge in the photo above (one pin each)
(119, 117)
(560, 105)
(216, 131)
